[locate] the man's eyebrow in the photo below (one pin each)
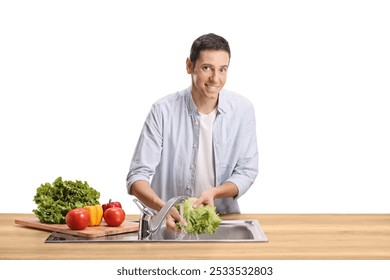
(211, 65)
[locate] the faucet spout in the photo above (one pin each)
(149, 223)
(160, 217)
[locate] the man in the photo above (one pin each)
(199, 142)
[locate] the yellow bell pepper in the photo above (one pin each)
(95, 214)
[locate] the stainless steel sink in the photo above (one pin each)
(228, 231)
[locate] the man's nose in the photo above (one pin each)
(213, 76)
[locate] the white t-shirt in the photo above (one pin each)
(204, 174)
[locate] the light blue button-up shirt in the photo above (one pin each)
(168, 146)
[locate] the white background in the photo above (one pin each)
(77, 79)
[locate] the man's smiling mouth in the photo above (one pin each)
(211, 86)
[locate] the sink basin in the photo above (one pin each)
(228, 231)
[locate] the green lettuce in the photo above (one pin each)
(199, 220)
(55, 200)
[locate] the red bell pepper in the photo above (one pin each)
(111, 204)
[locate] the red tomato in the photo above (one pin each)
(77, 218)
(114, 216)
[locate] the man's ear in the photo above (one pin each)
(189, 66)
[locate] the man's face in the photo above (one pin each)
(209, 74)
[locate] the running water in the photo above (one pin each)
(184, 235)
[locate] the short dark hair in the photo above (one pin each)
(209, 41)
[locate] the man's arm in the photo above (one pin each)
(144, 192)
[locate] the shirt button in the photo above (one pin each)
(195, 145)
(196, 123)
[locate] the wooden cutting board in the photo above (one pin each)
(91, 232)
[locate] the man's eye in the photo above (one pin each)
(206, 68)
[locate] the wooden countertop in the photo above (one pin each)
(291, 236)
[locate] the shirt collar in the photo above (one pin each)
(222, 102)
(191, 106)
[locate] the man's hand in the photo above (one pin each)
(227, 189)
(207, 198)
(172, 217)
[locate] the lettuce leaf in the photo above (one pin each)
(199, 220)
(55, 200)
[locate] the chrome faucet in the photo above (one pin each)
(149, 223)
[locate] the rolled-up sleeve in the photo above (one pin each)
(235, 144)
(148, 150)
(246, 168)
